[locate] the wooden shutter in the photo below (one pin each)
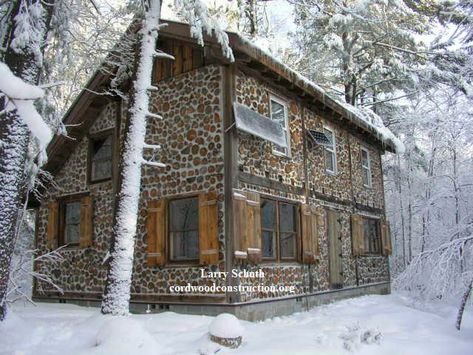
(240, 231)
(253, 226)
(385, 237)
(310, 235)
(357, 235)
(208, 228)
(53, 225)
(156, 233)
(247, 225)
(86, 222)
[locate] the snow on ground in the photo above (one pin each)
(365, 325)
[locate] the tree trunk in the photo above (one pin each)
(14, 136)
(465, 297)
(117, 291)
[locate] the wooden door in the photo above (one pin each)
(335, 249)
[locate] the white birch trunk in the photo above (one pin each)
(117, 294)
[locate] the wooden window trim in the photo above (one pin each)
(368, 168)
(331, 150)
(278, 257)
(286, 128)
(169, 261)
(93, 137)
(63, 201)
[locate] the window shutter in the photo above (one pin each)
(253, 226)
(156, 233)
(240, 231)
(86, 222)
(357, 235)
(386, 237)
(310, 236)
(208, 228)
(53, 225)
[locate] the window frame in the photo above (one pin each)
(95, 137)
(169, 256)
(369, 251)
(286, 127)
(62, 202)
(332, 151)
(277, 257)
(367, 168)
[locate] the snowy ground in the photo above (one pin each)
(366, 325)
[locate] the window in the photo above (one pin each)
(72, 223)
(366, 167)
(278, 230)
(278, 113)
(101, 157)
(330, 152)
(268, 229)
(372, 236)
(184, 229)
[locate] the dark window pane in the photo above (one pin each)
(72, 223)
(287, 221)
(268, 214)
(268, 244)
(101, 158)
(372, 238)
(184, 214)
(184, 228)
(329, 161)
(288, 245)
(366, 177)
(185, 245)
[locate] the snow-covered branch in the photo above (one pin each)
(21, 97)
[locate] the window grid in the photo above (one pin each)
(366, 167)
(372, 236)
(277, 231)
(185, 249)
(330, 152)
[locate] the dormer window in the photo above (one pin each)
(278, 113)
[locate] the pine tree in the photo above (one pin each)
(358, 49)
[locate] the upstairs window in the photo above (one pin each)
(330, 152)
(372, 236)
(100, 168)
(366, 167)
(278, 113)
(184, 229)
(278, 230)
